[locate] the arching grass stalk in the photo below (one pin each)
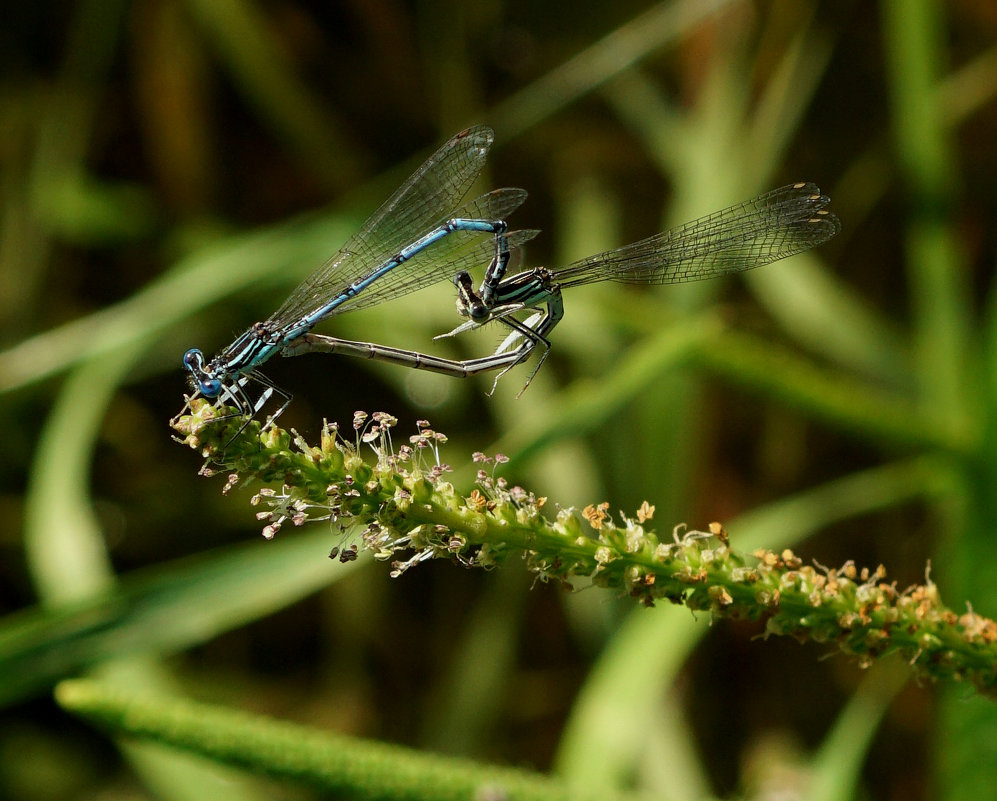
(397, 503)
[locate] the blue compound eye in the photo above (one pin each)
(211, 387)
(193, 359)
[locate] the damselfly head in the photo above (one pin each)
(193, 360)
(202, 379)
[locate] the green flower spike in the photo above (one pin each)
(398, 504)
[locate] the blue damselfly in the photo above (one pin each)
(417, 237)
(772, 226)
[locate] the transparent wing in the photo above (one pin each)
(459, 250)
(770, 227)
(423, 201)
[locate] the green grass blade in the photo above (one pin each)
(262, 69)
(940, 292)
(195, 282)
(838, 764)
(323, 760)
(589, 69)
(163, 610)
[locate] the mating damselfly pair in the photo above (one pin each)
(422, 234)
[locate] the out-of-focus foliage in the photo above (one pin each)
(169, 169)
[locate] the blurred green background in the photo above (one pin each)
(169, 169)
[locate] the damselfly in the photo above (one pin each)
(770, 227)
(419, 236)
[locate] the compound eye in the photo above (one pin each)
(193, 359)
(211, 387)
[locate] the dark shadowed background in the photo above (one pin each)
(170, 169)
